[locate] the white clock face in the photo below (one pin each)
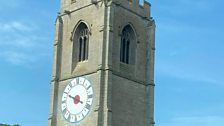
(76, 100)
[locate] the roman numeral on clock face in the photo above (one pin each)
(66, 115)
(79, 117)
(85, 111)
(72, 118)
(88, 106)
(63, 106)
(81, 80)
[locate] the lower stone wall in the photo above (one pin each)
(128, 103)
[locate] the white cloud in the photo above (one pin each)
(20, 35)
(17, 58)
(16, 26)
(21, 43)
(194, 121)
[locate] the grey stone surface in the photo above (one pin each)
(123, 93)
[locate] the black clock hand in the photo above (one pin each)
(75, 99)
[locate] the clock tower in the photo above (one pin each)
(103, 65)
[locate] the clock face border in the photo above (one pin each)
(90, 107)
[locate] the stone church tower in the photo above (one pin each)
(103, 68)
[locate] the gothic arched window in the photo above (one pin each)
(80, 41)
(127, 45)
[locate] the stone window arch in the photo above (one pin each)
(128, 45)
(80, 41)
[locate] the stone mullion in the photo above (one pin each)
(125, 51)
(84, 48)
(128, 49)
(80, 49)
(87, 48)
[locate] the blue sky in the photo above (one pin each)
(189, 62)
(188, 71)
